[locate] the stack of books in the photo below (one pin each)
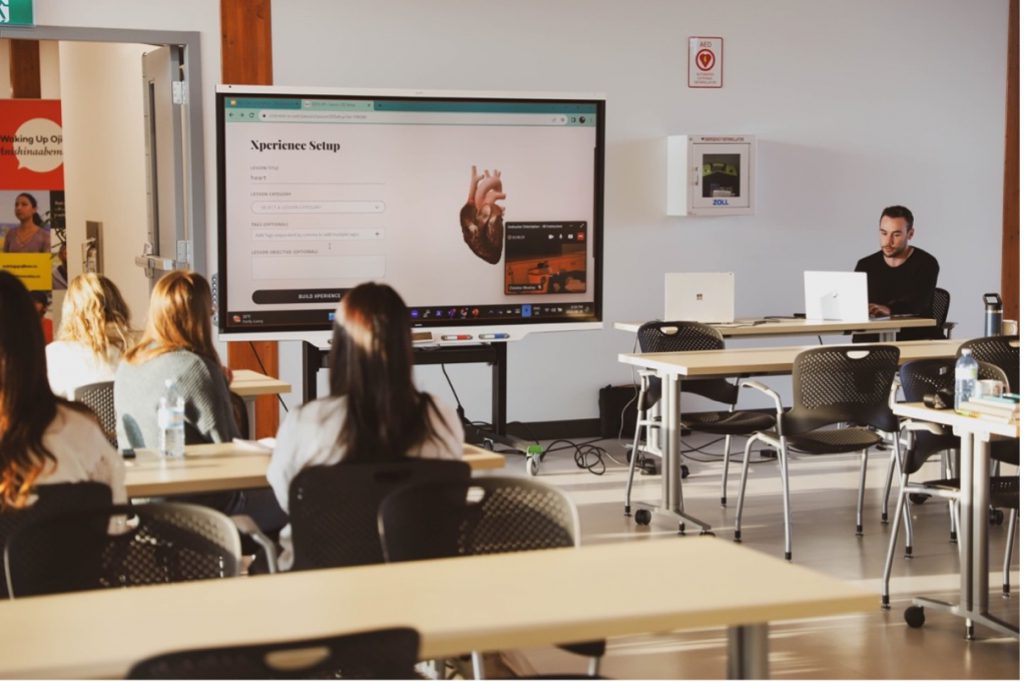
(1004, 409)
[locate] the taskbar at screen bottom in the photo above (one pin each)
(418, 315)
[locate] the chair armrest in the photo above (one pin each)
(930, 427)
(246, 526)
(947, 329)
(758, 386)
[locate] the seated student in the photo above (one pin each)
(177, 344)
(94, 334)
(374, 412)
(44, 439)
(901, 277)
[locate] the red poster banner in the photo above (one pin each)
(31, 144)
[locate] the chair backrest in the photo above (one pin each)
(1002, 351)
(481, 516)
(940, 311)
(678, 336)
(836, 384)
(917, 379)
(121, 546)
(99, 397)
(51, 500)
(374, 655)
(333, 509)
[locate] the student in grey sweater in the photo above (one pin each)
(176, 344)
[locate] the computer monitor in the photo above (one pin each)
(841, 296)
(700, 296)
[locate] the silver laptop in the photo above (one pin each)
(841, 296)
(700, 296)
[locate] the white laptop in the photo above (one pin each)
(700, 296)
(841, 296)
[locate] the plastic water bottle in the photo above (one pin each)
(966, 378)
(170, 417)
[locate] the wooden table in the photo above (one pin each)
(975, 436)
(218, 467)
(886, 329)
(251, 385)
(503, 601)
(738, 362)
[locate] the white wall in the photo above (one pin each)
(856, 105)
(104, 160)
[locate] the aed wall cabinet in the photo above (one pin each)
(710, 174)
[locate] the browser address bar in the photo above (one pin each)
(420, 117)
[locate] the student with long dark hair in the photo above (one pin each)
(374, 411)
(43, 439)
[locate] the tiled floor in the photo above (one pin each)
(876, 645)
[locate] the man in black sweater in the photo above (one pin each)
(901, 277)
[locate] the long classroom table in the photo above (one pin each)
(216, 467)
(731, 362)
(975, 437)
(749, 327)
(505, 601)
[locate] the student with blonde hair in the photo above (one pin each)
(177, 344)
(94, 334)
(44, 439)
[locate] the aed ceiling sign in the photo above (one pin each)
(16, 13)
(705, 63)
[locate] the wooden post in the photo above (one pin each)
(246, 58)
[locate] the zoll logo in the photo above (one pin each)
(720, 202)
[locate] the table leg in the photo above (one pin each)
(967, 527)
(250, 410)
(671, 481)
(747, 657)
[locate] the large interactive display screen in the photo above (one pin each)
(483, 211)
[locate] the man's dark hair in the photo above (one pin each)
(898, 212)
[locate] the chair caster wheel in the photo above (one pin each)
(885, 602)
(995, 517)
(642, 517)
(627, 512)
(736, 536)
(914, 615)
(684, 471)
(681, 529)
(708, 532)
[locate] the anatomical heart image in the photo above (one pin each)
(482, 217)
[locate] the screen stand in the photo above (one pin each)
(493, 354)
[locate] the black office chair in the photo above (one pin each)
(939, 313)
(333, 509)
(52, 500)
(121, 546)
(846, 386)
(491, 515)
(374, 655)
(660, 337)
(99, 397)
(1001, 351)
(917, 379)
